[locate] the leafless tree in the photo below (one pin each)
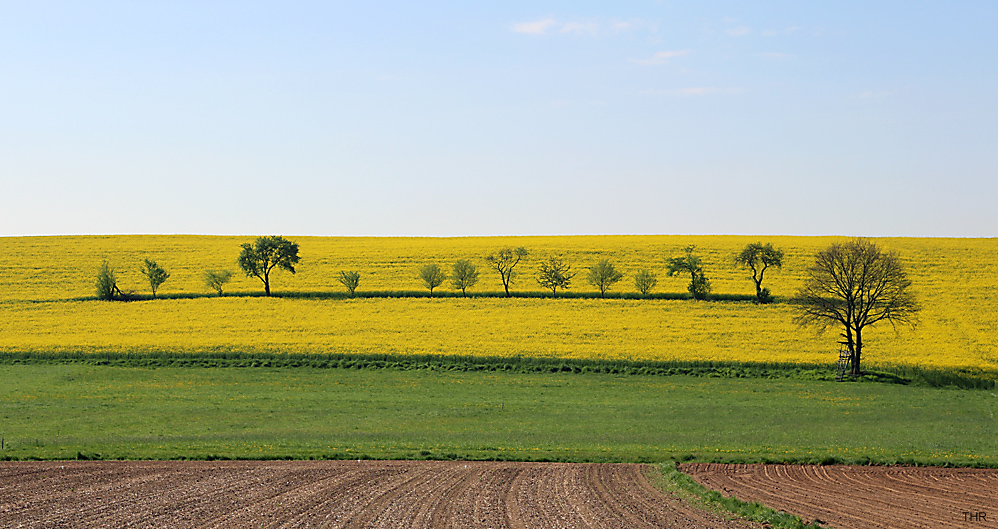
(855, 285)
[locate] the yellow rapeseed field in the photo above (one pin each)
(44, 280)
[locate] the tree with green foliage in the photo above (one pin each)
(503, 261)
(555, 274)
(107, 283)
(266, 253)
(758, 258)
(465, 276)
(433, 276)
(644, 281)
(216, 279)
(351, 280)
(155, 274)
(699, 286)
(855, 285)
(603, 275)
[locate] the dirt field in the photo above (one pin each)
(863, 497)
(347, 494)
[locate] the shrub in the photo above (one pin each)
(350, 280)
(216, 279)
(644, 281)
(107, 283)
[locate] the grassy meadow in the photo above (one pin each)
(76, 410)
(46, 305)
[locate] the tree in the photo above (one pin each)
(603, 275)
(758, 258)
(699, 286)
(855, 285)
(350, 280)
(107, 283)
(259, 258)
(433, 276)
(644, 281)
(155, 274)
(555, 274)
(465, 276)
(216, 279)
(503, 261)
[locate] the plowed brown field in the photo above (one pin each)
(863, 497)
(347, 494)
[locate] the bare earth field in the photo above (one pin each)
(863, 497)
(347, 494)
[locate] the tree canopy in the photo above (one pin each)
(464, 276)
(433, 276)
(503, 261)
(555, 274)
(266, 253)
(351, 280)
(699, 286)
(855, 285)
(759, 258)
(216, 279)
(106, 283)
(603, 275)
(155, 274)
(644, 281)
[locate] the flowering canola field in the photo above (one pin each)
(45, 283)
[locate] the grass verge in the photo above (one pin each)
(905, 375)
(669, 479)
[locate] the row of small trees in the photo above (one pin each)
(267, 253)
(852, 285)
(257, 260)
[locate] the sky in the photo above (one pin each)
(437, 118)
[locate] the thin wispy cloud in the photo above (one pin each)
(593, 27)
(661, 57)
(740, 31)
(580, 28)
(536, 27)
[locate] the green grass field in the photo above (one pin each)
(63, 411)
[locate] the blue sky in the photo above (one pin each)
(465, 118)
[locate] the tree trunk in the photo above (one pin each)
(857, 354)
(266, 283)
(852, 347)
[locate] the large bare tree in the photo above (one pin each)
(855, 285)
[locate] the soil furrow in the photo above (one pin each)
(863, 497)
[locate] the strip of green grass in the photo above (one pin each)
(671, 480)
(131, 296)
(724, 369)
(58, 411)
